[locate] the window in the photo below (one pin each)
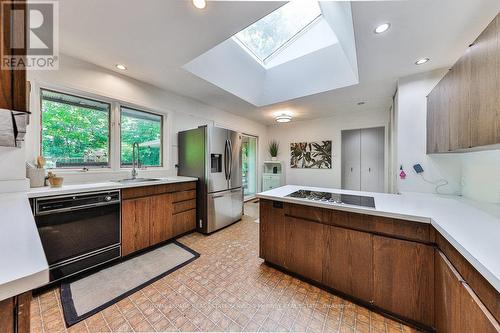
(144, 128)
(75, 131)
(274, 31)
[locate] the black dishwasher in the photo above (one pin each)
(78, 231)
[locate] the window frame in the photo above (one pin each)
(110, 133)
(120, 107)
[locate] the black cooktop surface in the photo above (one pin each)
(337, 198)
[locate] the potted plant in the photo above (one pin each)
(273, 149)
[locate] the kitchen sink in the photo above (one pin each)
(136, 180)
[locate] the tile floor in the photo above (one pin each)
(227, 289)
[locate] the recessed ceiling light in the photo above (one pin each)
(421, 61)
(121, 67)
(283, 118)
(382, 28)
(200, 4)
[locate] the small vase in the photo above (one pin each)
(274, 158)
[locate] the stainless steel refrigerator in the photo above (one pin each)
(213, 155)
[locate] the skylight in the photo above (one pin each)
(274, 31)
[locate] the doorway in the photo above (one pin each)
(363, 159)
(249, 166)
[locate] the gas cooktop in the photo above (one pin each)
(336, 198)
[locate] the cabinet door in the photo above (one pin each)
(305, 244)
(403, 278)
(7, 307)
(477, 318)
(135, 224)
(454, 298)
(460, 76)
(184, 222)
(485, 85)
(348, 264)
(272, 232)
(372, 159)
(351, 160)
(13, 87)
(432, 109)
(160, 218)
(447, 295)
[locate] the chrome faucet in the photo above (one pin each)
(135, 159)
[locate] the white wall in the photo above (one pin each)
(76, 75)
(317, 130)
(481, 176)
(411, 138)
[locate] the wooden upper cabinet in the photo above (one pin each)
(459, 112)
(135, 225)
(272, 232)
(403, 278)
(305, 243)
(438, 113)
(13, 86)
(463, 110)
(432, 110)
(348, 262)
(485, 86)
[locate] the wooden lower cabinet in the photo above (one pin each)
(403, 278)
(135, 224)
(348, 262)
(184, 222)
(411, 279)
(161, 226)
(150, 217)
(7, 315)
(15, 314)
(448, 284)
(457, 307)
(305, 243)
(272, 232)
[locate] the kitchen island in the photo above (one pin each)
(424, 259)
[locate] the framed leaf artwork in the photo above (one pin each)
(311, 155)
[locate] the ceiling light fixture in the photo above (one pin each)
(200, 4)
(421, 61)
(121, 67)
(382, 28)
(283, 118)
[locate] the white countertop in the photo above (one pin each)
(23, 265)
(471, 227)
(88, 187)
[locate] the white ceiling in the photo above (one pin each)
(155, 38)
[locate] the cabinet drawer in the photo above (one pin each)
(182, 206)
(144, 191)
(383, 225)
(183, 196)
(184, 222)
(182, 187)
(308, 213)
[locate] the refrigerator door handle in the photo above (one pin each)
(226, 159)
(230, 159)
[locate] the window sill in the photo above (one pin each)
(105, 171)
